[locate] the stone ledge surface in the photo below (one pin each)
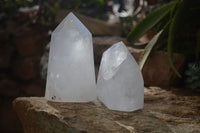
(164, 112)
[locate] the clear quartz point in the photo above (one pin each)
(120, 84)
(70, 76)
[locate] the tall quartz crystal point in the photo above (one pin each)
(120, 84)
(70, 76)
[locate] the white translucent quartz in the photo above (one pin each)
(120, 84)
(71, 76)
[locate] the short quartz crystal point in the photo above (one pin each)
(120, 84)
(70, 76)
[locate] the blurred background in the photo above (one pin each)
(26, 26)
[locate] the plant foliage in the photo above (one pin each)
(180, 23)
(193, 75)
(149, 22)
(148, 49)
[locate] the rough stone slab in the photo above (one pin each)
(158, 72)
(165, 111)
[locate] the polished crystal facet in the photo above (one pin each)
(120, 84)
(71, 76)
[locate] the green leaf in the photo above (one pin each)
(171, 38)
(148, 49)
(163, 21)
(150, 21)
(174, 8)
(162, 41)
